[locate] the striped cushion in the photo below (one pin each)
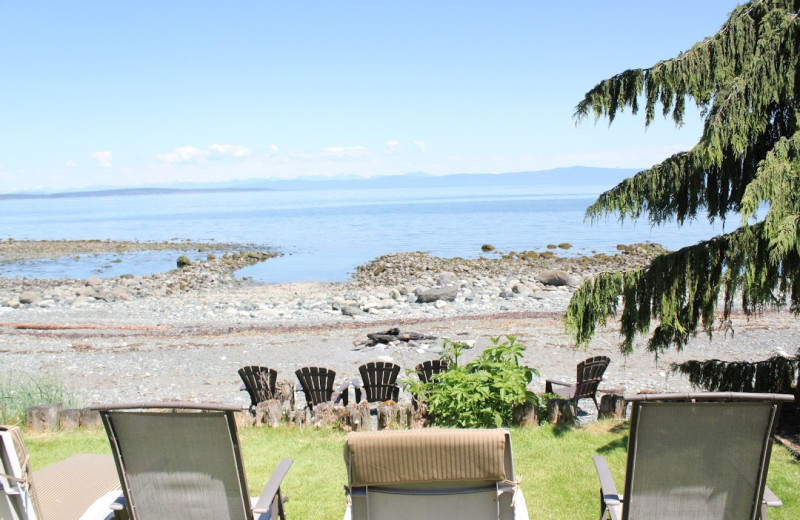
(414, 456)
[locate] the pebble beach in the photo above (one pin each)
(183, 334)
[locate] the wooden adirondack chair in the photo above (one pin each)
(589, 375)
(316, 384)
(259, 382)
(378, 382)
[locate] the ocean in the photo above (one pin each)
(324, 232)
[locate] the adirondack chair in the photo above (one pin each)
(432, 474)
(589, 375)
(427, 369)
(80, 487)
(316, 383)
(183, 460)
(259, 383)
(702, 456)
(378, 382)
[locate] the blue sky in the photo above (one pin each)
(137, 93)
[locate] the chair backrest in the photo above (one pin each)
(589, 375)
(379, 380)
(178, 460)
(259, 382)
(430, 474)
(427, 369)
(17, 494)
(699, 455)
(317, 384)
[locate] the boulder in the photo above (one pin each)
(447, 293)
(557, 278)
(29, 297)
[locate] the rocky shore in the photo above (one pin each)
(184, 333)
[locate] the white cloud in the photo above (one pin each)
(103, 158)
(71, 165)
(422, 145)
(183, 154)
(191, 154)
(234, 150)
(392, 146)
(273, 149)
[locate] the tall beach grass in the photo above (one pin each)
(19, 392)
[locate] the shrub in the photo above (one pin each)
(481, 394)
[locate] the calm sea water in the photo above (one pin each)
(325, 233)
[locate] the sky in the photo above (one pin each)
(123, 94)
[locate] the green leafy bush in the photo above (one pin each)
(481, 394)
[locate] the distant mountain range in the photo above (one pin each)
(575, 175)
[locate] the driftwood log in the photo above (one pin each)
(395, 335)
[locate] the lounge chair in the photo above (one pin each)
(183, 460)
(259, 382)
(589, 375)
(378, 382)
(695, 456)
(432, 474)
(427, 369)
(316, 383)
(80, 487)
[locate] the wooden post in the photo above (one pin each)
(526, 415)
(612, 406)
(269, 412)
(69, 419)
(43, 418)
(561, 411)
(90, 419)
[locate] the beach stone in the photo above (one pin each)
(447, 278)
(352, 310)
(557, 278)
(447, 293)
(29, 297)
(521, 289)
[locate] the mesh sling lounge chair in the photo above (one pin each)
(378, 382)
(259, 382)
(183, 460)
(80, 487)
(432, 474)
(695, 456)
(316, 384)
(589, 375)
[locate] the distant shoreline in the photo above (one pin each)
(126, 192)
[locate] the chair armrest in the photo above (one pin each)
(607, 486)
(357, 386)
(770, 498)
(273, 488)
(551, 382)
(341, 394)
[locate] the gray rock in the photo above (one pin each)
(447, 293)
(507, 295)
(447, 278)
(521, 289)
(29, 297)
(352, 310)
(557, 278)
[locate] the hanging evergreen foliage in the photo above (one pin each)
(746, 81)
(774, 375)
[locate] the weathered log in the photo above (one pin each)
(43, 418)
(285, 392)
(69, 419)
(244, 418)
(612, 406)
(561, 411)
(269, 412)
(526, 415)
(359, 414)
(90, 419)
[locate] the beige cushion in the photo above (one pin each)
(426, 455)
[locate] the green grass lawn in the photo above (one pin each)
(558, 477)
